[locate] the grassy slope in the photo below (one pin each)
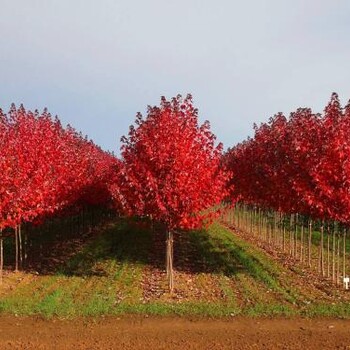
(106, 277)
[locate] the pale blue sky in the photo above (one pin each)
(96, 63)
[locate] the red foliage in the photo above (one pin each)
(299, 165)
(171, 167)
(46, 168)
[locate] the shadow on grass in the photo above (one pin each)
(132, 241)
(219, 251)
(204, 254)
(122, 242)
(54, 250)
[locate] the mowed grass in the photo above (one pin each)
(106, 273)
(106, 278)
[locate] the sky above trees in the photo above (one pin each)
(97, 63)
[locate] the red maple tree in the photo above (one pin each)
(171, 170)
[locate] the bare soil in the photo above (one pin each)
(173, 333)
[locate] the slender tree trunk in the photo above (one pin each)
(302, 242)
(244, 219)
(251, 221)
(328, 255)
(290, 236)
(333, 255)
(20, 246)
(275, 228)
(279, 231)
(28, 243)
(235, 216)
(16, 248)
(338, 258)
(344, 252)
(296, 236)
(254, 221)
(284, 236)
(1, 256)
(25, 247)
(310, 241)
(321, 250)
(169, 260)
(269, 230)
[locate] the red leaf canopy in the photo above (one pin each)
(171, 166)
(297, 165)
(46, 168)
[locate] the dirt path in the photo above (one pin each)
(173, 333)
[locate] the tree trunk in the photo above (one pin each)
(1, 256)
(251, 221)
(16, 248)
(20, 247)
(309, 244)
(295, 236)
(290, 236)
(302, 242)
(333, 256)
(328, 255)
(344, 253)
(269, 229)
(274, 235)
(338, 258)
(284, 237)
(169, 260)
(232, 216)
(321, 250)
(25, 247)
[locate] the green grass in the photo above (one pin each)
(92, 282)
(105, 278)
(232, 256)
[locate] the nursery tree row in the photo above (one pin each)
(298, 164)
(170, 170)
(46, 170)
(294, 174)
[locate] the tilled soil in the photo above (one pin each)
(173, 333)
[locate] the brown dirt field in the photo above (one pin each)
(173, 333)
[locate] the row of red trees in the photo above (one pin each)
(46, 168)
(298, 164)
(170, 169)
